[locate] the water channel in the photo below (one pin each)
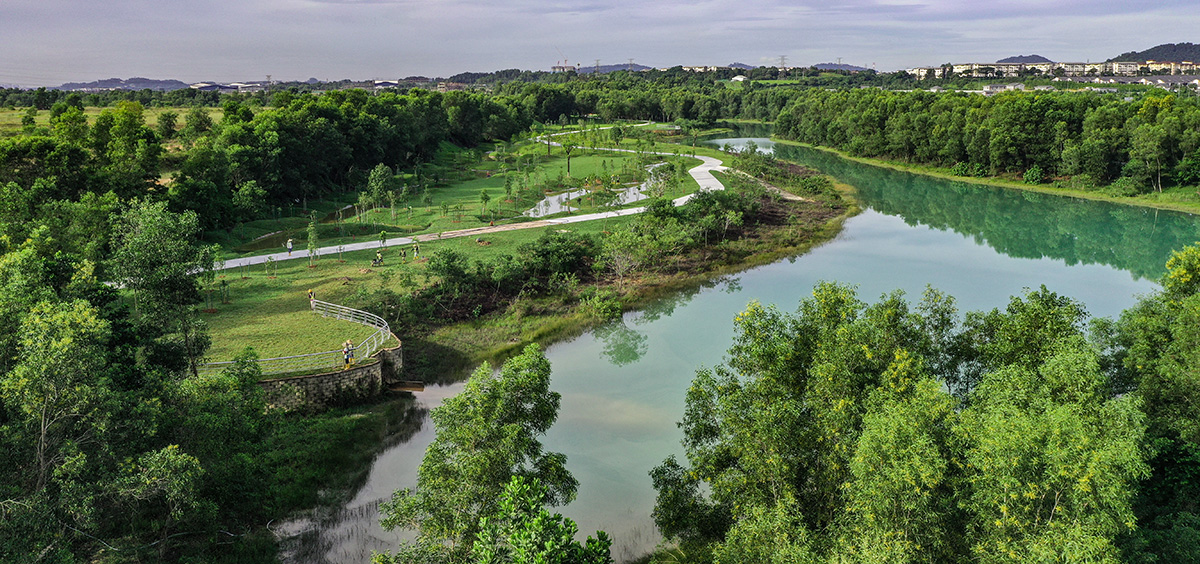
(623, 385)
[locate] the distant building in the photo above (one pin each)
(1121, 68)
(705, 69)
(739, 78)
(213, 87)
(994, 88)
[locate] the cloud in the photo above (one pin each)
(52, 41)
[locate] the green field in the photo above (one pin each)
(414, 217)
(272, 314)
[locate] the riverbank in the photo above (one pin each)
(447, 353)
(1151, 200)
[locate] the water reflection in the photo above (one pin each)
(350, 532)
(1016, 223)
(623, 386)
(622, 345)
(665, 306)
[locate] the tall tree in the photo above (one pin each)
(485, 436)
(157, 256)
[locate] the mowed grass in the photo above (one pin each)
(272, 314)
(415, 218)
(274, 318)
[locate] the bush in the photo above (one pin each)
(1123, 187)
(601, 304)
(960, 169)
(816, 185)
(1035, 175)
(559, 252)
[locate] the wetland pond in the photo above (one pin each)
(623, 384)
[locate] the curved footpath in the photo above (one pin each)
(701, 173)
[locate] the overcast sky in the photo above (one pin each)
(48, 42)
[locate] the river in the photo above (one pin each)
(623, 385)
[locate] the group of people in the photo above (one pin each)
(416, 250)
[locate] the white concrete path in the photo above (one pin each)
(701, 173)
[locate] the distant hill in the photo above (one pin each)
(837, 66)
(1026, 59)
(742, 66)
(1173, 52)
(135, 83)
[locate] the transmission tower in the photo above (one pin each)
(631, 65)
(597, 71)
(783, 62)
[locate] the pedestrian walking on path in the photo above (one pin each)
(289, 247)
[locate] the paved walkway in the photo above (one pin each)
(702, 174)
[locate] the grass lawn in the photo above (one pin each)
(272, 314)
(414, 217)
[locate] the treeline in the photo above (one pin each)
(254, 159)
(1016, 223)
(44, 99)
(898, 432)
(235, 169)
(1131, 146)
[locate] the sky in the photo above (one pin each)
(49, 42)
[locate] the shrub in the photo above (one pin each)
(1035, 175)
(601, 304)
(1123, 186)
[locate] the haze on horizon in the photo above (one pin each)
(49, 42)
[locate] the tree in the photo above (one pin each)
(157, 257)
(568, 147)
(380, 183)
(55, 389)
(523, 530)
(1052, 464)
(197, 122)
(166, 124)
(71, 125)
(1156, 344)
(313, 243)
(484, 198)
(485, 436)
(900, 500)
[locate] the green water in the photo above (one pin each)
(623, 385)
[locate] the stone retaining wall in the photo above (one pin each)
(318, 391)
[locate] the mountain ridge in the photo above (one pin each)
(1171, 52)
(1025, 59)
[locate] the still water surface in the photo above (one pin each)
(623, 385)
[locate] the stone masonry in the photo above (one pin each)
(318, 391)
